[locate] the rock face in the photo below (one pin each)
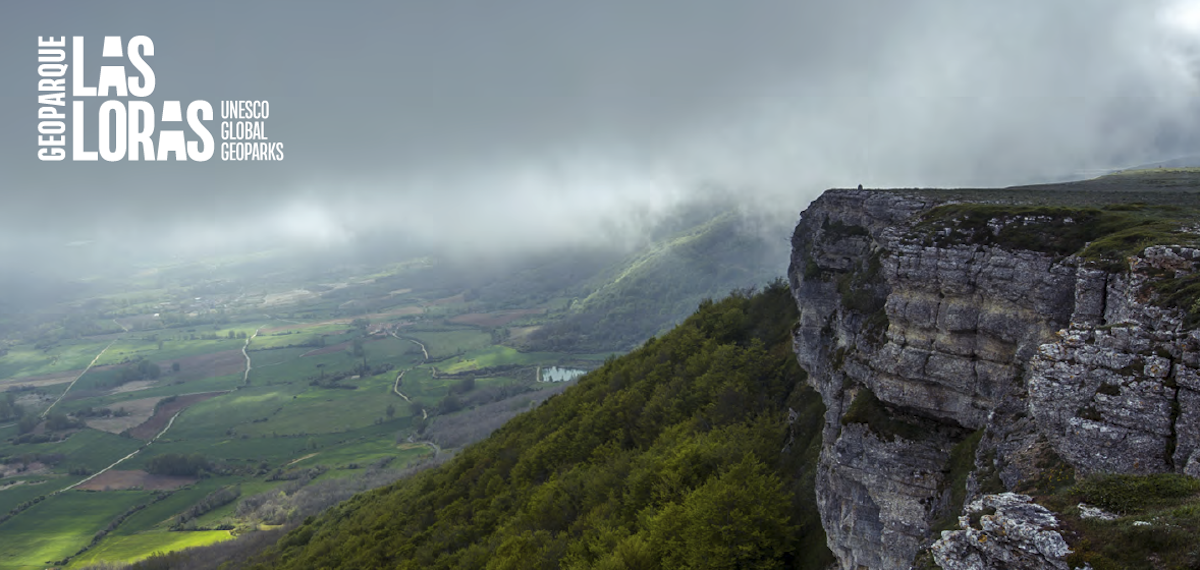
(1011, 532)
(1124, 396)
(916, 341)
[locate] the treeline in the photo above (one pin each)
(178, 464)
(360, 369)
(680, 454)
(142, 369)
(211, 502)
(56, 421)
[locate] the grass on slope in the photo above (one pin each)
(61, 525)
(660, 285)
(132, 548)
(1156, 527)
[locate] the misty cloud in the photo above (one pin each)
(489, 126)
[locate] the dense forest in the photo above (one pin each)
(695, 451)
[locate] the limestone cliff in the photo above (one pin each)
(935, 335)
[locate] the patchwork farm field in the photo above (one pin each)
(173, 427)
(175, 404)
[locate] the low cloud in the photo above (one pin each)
(508, 129)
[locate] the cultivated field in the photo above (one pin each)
(346, 375)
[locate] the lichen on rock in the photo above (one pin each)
(1000, 532)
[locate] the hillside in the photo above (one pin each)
(650, 290)
(696, 450)
(950, 373)
(1003, 379)
(197, 400)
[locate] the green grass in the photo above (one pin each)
(159, 515)
(164, 388)
(494, 356)
(363, 453)
(260, 358)
(321, 410)
(1169, 502)
(1059, 230)
(130, 549)
(1136, 494)
(275, 450)
(131, 347)
(445, 343)
(283, 339)
(29, 361)
(61, 525)
(420, 385)
(49, 483)
(89, 448)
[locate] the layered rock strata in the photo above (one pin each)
(920, 345)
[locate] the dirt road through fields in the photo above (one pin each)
(246, 375)
(122, 460)
(416, 342)
(85, 370)
(396, 387)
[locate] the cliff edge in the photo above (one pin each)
(972, 343)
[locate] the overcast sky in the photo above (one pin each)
(490, 124)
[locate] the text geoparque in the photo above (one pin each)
(129, 127)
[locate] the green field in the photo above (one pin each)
(130, 348)
(494, 356)
(24, 361)
(87, 448)
(320, 391)
(307, 403)
(441, 344)
(140, 546)
(60, 526)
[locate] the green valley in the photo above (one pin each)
(195, 403)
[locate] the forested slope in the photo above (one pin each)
(695, 451)
(658, 285)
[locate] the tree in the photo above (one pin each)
(449, 404)
(174, 367)
(178, 464)
(391, 411)
(58, 421)
(737, 520)
(27, 424)
(148, 370)
(466, 385)
(9, 408)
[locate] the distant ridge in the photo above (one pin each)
(1181, 162)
